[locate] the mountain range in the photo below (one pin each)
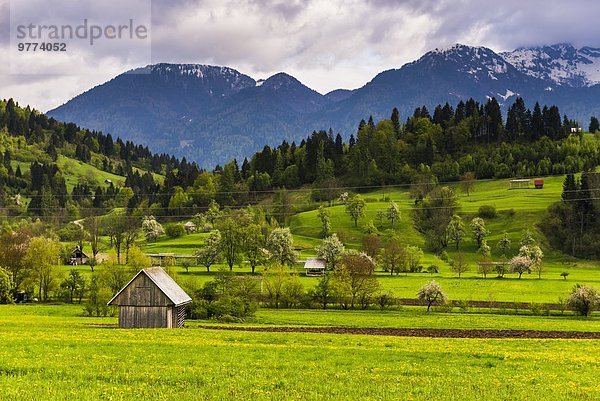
(212, 114)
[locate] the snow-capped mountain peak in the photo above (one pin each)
(481, 63)
(562, 64)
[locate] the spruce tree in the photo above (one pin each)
(396, 121)
(594, 125)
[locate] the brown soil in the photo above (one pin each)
(418, 332)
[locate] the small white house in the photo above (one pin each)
(315, 267)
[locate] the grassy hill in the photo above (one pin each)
(518, 209)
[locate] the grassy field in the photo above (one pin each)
(51, 353)
(471, 288)
(417, 317)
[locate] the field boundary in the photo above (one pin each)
(417, 332)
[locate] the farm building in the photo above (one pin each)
(190, 227)
(78, 257)
(315, 266)
(151, 299)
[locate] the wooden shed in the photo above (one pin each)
(151, 299)
(78, 257)
(315, 266)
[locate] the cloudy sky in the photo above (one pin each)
(326, 44)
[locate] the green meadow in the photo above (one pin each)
(51, 353)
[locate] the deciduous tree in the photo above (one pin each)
(432, 293)
(280, 244)
(355, 207)
(456, 229)
(479, 231)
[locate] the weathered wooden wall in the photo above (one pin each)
(146, 316)
(142, 291)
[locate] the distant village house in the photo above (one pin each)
(78, 257)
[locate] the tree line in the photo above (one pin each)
(469, 139)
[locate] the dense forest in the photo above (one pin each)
(469, 140)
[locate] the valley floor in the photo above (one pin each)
(52, 353)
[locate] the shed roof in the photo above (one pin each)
(164, 282)
(78, 253)
(315, 263)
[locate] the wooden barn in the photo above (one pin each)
(151, 299)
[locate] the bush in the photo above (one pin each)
(535, 308)
(227, 308)
(584, 299)
(175, 230)
(487, 211)
(384, 300)
(416, 269)
(444, 256)
(433, 269)
(463, 305)
(227, 298)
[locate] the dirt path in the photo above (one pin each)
(418, 332)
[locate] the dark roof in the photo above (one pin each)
(165, 283)
(78, 253)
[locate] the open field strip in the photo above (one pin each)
(49, 353)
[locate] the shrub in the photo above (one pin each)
(463, 305)
(384, 300)
(175, 230)
(433, 269)
(535, 308)
(487, 211)
(416, 269)
(562, 305)
(584, 299)
(444, 256)
(564, 275)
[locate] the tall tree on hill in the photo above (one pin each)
(594, 125)
(231, 241)
(480, 232)
(432, 215)
(355, 207)
(456, 230)
(493, 119)
(396, 121)
(537, 122)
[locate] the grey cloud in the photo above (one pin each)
(329, 43)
